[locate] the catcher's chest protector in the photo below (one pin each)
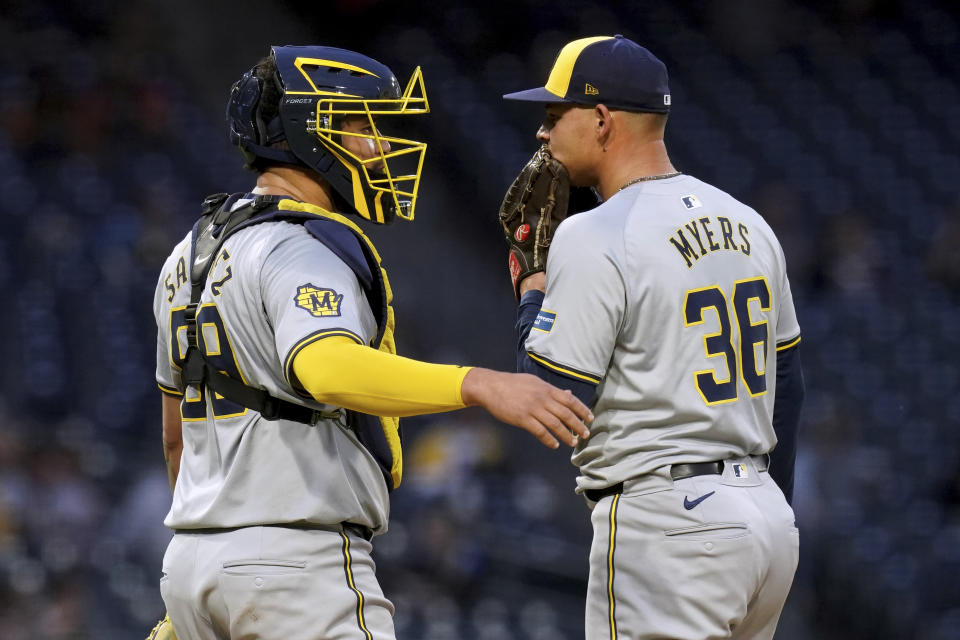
(380, 435)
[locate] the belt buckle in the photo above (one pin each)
(319, 415)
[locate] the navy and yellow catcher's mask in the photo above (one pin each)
(322, 87)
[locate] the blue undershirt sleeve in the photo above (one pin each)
(530, 304)
(786, 418)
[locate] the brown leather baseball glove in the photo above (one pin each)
(535, 204)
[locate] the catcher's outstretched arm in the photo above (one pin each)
(336, 370)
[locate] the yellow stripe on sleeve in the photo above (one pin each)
(788, 344)
(564, 370)
(313, 337)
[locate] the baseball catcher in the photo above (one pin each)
(277, 361)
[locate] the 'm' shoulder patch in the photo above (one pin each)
(317, 301)
(545, 320)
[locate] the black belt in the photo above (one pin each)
(358, 529)
(681, 471)
(677, 472)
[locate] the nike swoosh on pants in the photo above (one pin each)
(690, 504)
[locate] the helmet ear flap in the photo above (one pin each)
(243, 110)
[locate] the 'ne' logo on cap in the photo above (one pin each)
(590, 90)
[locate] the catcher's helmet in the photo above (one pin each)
(319, 87)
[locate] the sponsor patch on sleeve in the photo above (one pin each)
(317, 301)
(545, 320)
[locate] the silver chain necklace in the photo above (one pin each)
(661, 176)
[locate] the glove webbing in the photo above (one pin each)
(545, 214)
(216, 224)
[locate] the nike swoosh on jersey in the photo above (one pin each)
(690, 504)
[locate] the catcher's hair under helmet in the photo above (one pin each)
(320, 86)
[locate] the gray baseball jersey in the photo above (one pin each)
(673, 297)
(272, 290)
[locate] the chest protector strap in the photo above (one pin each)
(380, 436)
(211, 231)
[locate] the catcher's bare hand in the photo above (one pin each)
(535, 204)
(528, 402)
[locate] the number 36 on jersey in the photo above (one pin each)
(739, 356)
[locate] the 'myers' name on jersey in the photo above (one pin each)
(701, 236)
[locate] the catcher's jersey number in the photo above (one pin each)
(748, 363)
(213, 339)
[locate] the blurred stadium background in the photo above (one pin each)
(838, 121)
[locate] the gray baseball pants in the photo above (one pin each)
(711, 556)
(274, 583)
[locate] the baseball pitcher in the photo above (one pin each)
(667, 309)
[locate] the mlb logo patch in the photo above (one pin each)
(691, 202)
(545, 320)
(740, 470)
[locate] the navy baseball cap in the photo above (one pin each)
(612, 70)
